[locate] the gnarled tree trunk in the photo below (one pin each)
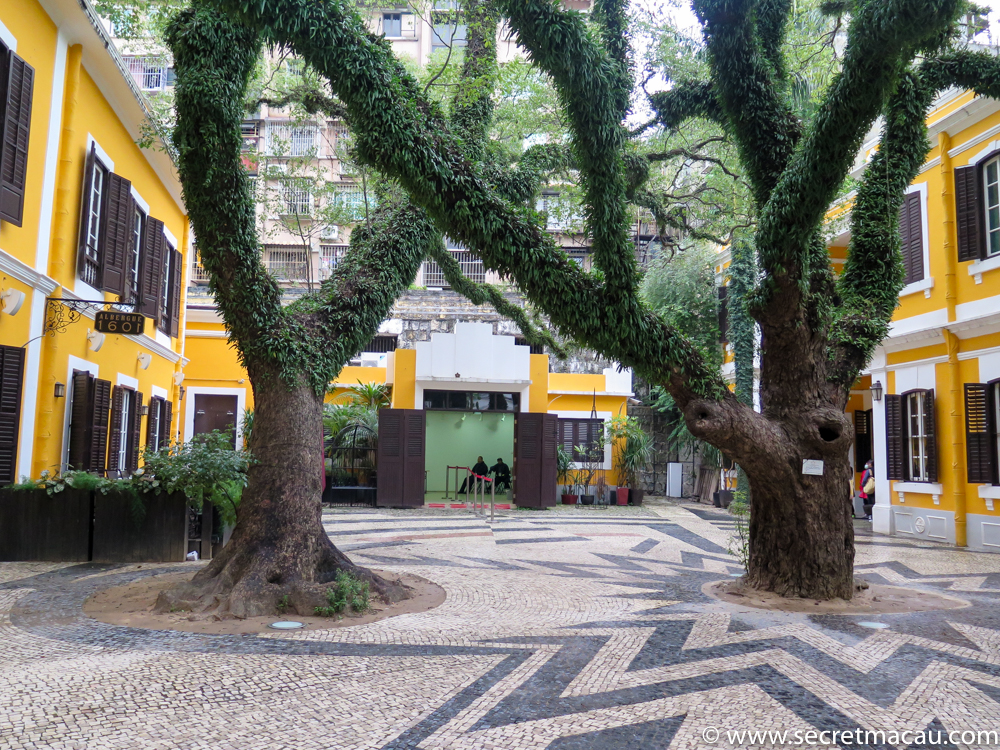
(279, 547)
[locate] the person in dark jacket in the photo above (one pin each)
(868, 480)
(480, 468)
(501, 475)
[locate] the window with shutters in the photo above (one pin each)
(124, 416)
(16, 85)
(392, 25)
(163, 315)
(991, 196)
(579, 437)
(134, 281)
(90, 405)
(91, 230)
(11, 379)
(918, 435)
(862, 438)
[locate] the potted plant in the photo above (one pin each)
(564, 462)
(632, 456)
(591, 459)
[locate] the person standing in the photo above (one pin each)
(868, 488)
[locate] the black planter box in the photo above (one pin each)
(722, 498)
(35, 526)
(635, 496)
(159, 536)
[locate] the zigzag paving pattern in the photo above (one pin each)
(580, 629)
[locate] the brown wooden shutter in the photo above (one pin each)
(88, 186)
(968, 213)
(528, 431)
(99, 425)
(119, 209)
(391, 423)
(894, 440)
(154, 247)
(165, 417)
(177, 272)
(133, 453)
(117, 401)
(550, 462)
(81, 420)
(979, 450)
(152, 422)
(912, 235)
(724, 314)
(930, 429)
(11, 379)
(14, 148)
(414, 463)
(862, 438)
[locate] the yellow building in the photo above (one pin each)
(459, 396)
(927, 408)
(87, 218)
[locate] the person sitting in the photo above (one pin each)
(501, 475)
(480, 468)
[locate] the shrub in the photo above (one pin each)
(347, 590)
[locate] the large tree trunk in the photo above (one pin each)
(801, 533)
(279, 548)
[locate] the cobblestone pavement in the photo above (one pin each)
(567, 631)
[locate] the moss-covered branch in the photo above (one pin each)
(685, 101)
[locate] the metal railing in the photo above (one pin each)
(477, 484)
(149, 73)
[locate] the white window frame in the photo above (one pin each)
(915, 440)
(991, 229)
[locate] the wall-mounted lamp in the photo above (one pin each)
(876, 390)
(144, 360)
(95, 340)
(60, 390)
(144, 410)
(180, 397)
(178, 378)
(12, 301)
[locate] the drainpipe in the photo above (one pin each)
(955, 385)
(62, 266)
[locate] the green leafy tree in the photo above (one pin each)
(818, 330)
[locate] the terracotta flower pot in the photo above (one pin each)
(622, 495)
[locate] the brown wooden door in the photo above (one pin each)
(528, 460)
(212, 412)
(401, 439)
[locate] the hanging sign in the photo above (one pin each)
(119, 322)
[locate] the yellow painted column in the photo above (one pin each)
(538, 391)
(956, 438)
(404, 384)
(62, 267)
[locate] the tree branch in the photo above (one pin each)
(611, 17)
(686, 100)
(401, 134)
(311, 99)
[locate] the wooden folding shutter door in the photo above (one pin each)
(151, 288)
(391, 425)
(895, 439)
(16, 120)
(119, 210)
(912, 231)
(99, 426)
(968, 213)
(414, 460)
(11, 373)
(88, 188)
(115, 443)
(165, 417)
(81, 420)
(862, 438)
(979, 446)
(930, 432)
(550, 462)
(528, 431)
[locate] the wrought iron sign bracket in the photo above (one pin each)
(61, 313)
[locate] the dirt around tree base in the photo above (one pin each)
(132, 606)
(869, 599)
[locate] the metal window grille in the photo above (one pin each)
(329, 257)
(149, 73)
(352, 200)
(472, 269)
(198, 273)
(291, 140)
(298, 200)
(286, 262)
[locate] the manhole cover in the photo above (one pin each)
(874, 625)
(286, 625)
